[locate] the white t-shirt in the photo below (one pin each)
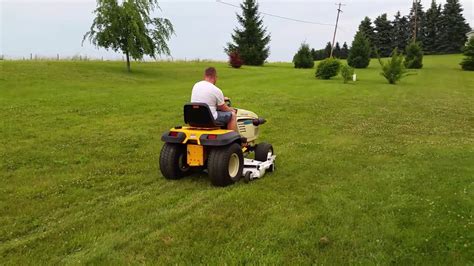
(206, 92)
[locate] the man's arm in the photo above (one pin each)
(221, 106)
(225, 108)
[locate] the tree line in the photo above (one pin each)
(339, 52)
(126, 26)
(439, 30)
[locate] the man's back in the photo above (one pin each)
(206, 92)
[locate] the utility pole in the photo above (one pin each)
(415, 2)
(335, 28)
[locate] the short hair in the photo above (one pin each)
(210, 72)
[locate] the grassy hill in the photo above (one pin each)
(383, 172)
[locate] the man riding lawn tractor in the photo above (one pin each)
(217, 138)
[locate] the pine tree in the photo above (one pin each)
(337, 51)
(453, 28)
(359, 54)
(413, 56)
(344, 51)
(367, 28)
(468, 62)
(319, 55)
(401, 32)
(383, 36)
(393, 70)
(314, 54)
(419, 20)
(432, 28)
(303, 58)
(327, 50)
(252, 40)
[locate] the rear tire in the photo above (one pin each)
(173, 161)
(263, 151)
(225, 165)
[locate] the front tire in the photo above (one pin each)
(263, 152)
(225, 165)
(173, 161)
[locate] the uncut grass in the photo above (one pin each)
(385, 172)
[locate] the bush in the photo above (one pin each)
(414, 56)
(394, 69)
(359, 54)
(346, 73)
(328, 68)
(468, 62)
(303, 58)
(234, 59)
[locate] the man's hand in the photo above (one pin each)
(226, 108)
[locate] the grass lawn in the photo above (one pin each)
(384, 172)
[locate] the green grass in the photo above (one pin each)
(384, 171)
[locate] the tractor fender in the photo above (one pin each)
(221, 140)
(169, 138)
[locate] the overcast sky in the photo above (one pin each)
(203, 27)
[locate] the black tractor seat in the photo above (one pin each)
(199, 115)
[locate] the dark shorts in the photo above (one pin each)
(223, 117)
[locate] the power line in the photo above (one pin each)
(281, 17)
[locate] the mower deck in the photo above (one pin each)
(256, 169)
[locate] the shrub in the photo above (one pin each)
(414, 56)
(359, 54)
(346, 73)
(328, 68)
(394, 69)
(303, 58)
(468, 62)
(234, 59)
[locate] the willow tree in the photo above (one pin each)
(126, 26)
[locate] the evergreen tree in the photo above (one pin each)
(337, 51)
(252, 40)
(327, 50)
(468, 62)
(359, 54)
(419, 20)
(313, 54)
(393, 70)
(383, 36)
(344, 51)
(319, 55)
(453, 28)
(414, 56)
(368, 30)
(401, 32)
(432, 28)
(303, 58)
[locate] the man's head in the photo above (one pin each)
(210, 75)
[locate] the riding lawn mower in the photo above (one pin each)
(206, 145)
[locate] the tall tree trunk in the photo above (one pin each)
(128, 61)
